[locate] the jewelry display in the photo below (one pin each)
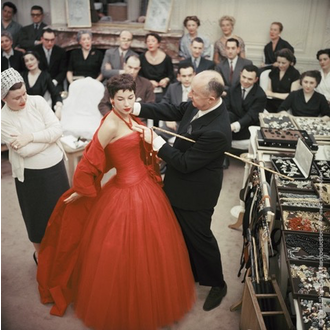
(319, 127)
(310, 280)
(277, 121)
(287, 138)
(323, 167)
(306, 247)
(314, 315)
(305, 221)
(323, 189)
(295, 184)
(288, 167)
(310, 200)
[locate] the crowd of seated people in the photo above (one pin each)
(54, 69)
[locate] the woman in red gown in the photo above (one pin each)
(117, 252)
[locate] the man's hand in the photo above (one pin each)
(146, 133)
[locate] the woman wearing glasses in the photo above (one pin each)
(30, 35)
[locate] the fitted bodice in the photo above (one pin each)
(126, 157)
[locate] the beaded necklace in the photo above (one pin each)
(129, 123)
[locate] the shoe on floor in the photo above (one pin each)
(214, 297)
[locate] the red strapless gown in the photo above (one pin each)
(119, 256)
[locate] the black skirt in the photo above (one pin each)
(38, 195)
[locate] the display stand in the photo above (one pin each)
(252, 316)
(238, 210)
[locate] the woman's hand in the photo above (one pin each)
(73, 197)
(20, 141)
(146, 133)
(164, 82)
(154, 83)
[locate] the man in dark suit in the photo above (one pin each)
(231, 67)
(114, 58)
(52, 58)
(244, 103)
(144, 89)
(30, 35)
(198, 62)
(194, 172)
(176, 93)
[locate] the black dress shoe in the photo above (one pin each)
(35, 258)
(226, 163)
(214, 297)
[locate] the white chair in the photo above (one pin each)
(263, 80)
(80, 114)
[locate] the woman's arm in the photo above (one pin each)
(69, 77)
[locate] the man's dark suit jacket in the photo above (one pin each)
(224, 69)
(173, 94)
(245, 112)
(269, 53)
(28, 36)
(16, 61)
(194, 170)
(204, 64)
(112, 56)
(57, 66)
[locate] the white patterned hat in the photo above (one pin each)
(9, 78)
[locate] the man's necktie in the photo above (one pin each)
(122, 60)
(243, 94)
(195, 64)
(48, 56)
(231, 72)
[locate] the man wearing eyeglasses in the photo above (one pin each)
(30, 35)
(52, 58)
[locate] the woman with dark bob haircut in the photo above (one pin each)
(283, 79)
(307, 102)
(156, 65)
(126, 266)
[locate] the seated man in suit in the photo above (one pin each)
(52, 58)
(198, 62)
(30, 35)
(244, 102)
(178, 92)
(114, 58)
(144, 89)
(231, 67)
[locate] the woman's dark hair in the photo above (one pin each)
(156, 35)
(323, 51)
(286, 53)
(120, 82)
(16, 86)
(31, 52)
(191, 18)
(313, 74)
(10, 5)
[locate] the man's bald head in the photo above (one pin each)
(211, 81)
